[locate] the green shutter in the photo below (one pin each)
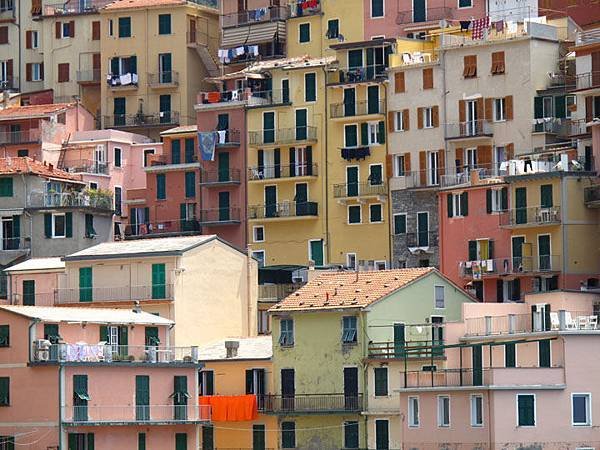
(176, 151)
(161, 188)
(258, 437)
(488, 201)
(544, 353)
(123, 341)
(89, 225)
(142, 397)
(249, 381)
(472, 250)
(90, 441)
(351, 434)
(310, 87)
(164, 24)
(4, 391)
(449, 206)
(538, 108)
(350, 136)
(490, 249)
(304, 32)
(103, 333)
(189, 150)
(181, 441)
(48, 225)
(364, 134)
(158, 281)
(526, 410)
(504, 198)
(85, 284)
(381, 126)
(16, 229)
(69, 224)
(73, 441)
(6, 187)
(151, 336)
(464, 203)
(400, 224)
(208, 441)
(124, 27)
(141, 441)
(546, 195)
(560, 107)
(4, 335)
(510, 355)
(190, 184)
(381, 381)
(382, 438)
(29, 292)
(288, 434)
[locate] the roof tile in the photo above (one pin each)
(127, 4)
(28, 111)
(26, 165)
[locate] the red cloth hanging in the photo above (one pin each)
(231, 408)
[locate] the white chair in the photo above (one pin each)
(593, 322)
(554, 320)
(571, 324)
(582, 322)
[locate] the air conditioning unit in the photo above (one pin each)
(42, 350)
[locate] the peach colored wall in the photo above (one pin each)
(596, 146)
(45, 284)
(18, 352)
(34, 437)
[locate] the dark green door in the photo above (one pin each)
(258, 437)
(151, 336)
(355, 59)
(80, 398)
(29, 292)
(181, 441)
(349, 102)
(166, 76)
(180, 397)
(159, 286)
(301, 124)
(285, 91)
(419, 11)
(270, 201)
(546, 196)
(521, 205)
(316, 252)
(301, 199)
(544, 252)
(399, 340)
(119, 111)
(517, 252)
(544, 353)
(142, 397)
(422, 229)
(351, 181)
(223, 122)
(224, 211)
(268, 127)
(477, 365)
(165, 108)
(223, 171)
(376, 175)
(382, 434)
(373, 99)
(85, 284)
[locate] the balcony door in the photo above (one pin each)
(545, 262)
(352, 181)
(301, 199)
(9, 232)
(422, 229)
(270, 201)
(471, 125)
(349, 102)
(224, 206)
(432, 168)
(316, 252)
(165, 108)
(351, 388)
(399, 340)
(119, 111)
(373, 99)
(223, 164)
(355, 59)
(419, 11)
(269, 127)
(477, 365)
(142, 397)
(165, 68)
(288, 389)
(521, 205)
(300, 161)
(301, 124)
(437, 335)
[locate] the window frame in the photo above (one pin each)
(292, 431)
(202, 375)
(119, 28)
(394, 224)
(360, 214)
(286, 342)
(333, 19)
(300, 27)
(306, 90)
(387, 381)
(349, 333)
(427, 117)
(435, 299)
(382, 10)
(501, 102)
(7, 343)
(412, 423)
(399, 121)
(463, 7)
(440, 411)
(64, 216)
(588, 409)
(373, 133)
(344, 436)
(527, 394)
(399, 165)
(380, 205)
(473, 401)
(120, 159)
(36, 75)
(170, 24)
(254, 230)
(264, 256)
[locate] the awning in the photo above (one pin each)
(253, 34)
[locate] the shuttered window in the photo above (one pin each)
(208, 440)
(4, 35)
(258, 437)
(349, 329)
(180, 441)
(497, 63)
(4, 335)
(304, 32)
(190, 184)
(526, 410)
(124, 27)
(428, 78)
(381, 381)
(161, 186)
(470, 66)
(350, 434)
(288, 435)
(158, 281)
(546, 196)
(310, 87)
(354, 214)
(164, 24)
(96, 30)
(510, 355)
(286, 334)
(29, 292)
(85, 284)
(63, 72)
(6, 187)
(141, 441)
(4, 391)
(399, 223)
(382, 435)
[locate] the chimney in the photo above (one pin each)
(231, 347)
(50, 167)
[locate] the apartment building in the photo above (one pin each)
(153, 88)
(53, 380)
(330, 395)
(174, 277)
(235, 381)
(34, 281)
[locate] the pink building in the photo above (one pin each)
(34, 281)
(63, 385)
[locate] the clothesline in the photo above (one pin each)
(226, 55)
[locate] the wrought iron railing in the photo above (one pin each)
(282, 171)
(220, 176)
(533, 215)
(284, 209)
(418, 239)
(216, 216)
(114, 293)
(173, 226)
(86, 166)
(587, 80)
(471, 128)
(96, 200)
(139, 414)
(267, 14)
(20, 137)
(375, 72)
(371, 188)
(276, 292)
(313, 403)
(339, 110)
(88, 76)
(142, 120)
(430, 14)
(163, 78)
(283, 135)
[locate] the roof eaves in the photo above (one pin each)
(124, 255)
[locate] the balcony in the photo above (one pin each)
(286, 210)
(163, 80)
(86, 166)
(282, 171)
(276, 292)
(253, 16)
(301, 8)
(495, 267)
(33, 135)
(362, 190)
(587, 81)
(352, 75)
(230, 139)
(407, 17)
(409, 349)
(146, 293)
(88, 199)
(274, 97)
(283, 136)
(134, 415)
(88, 77)
(205, 99)
(553, 126)
(313, 403)
(123, 82)
(141, 120)
(12, 248)
(471, 129)
(577, 128)
(465, 174)
(591, 196)
(421, 240)
(534, 216)
(9, 83)
(82, 7)
(220, 216)
(219, 177)
(175, 227)
(353, 110)
(420, 179)
(266, 51)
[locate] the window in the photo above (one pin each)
(399, 165)
(37, 72)
(354, 214)
(288, 434)
(65, 30)
(110, 27)
(95, 30)
(476, 411)
(399, 120)
(470, 66)
(581, 409)
(400, 223)
(124, 27)
(117, 157)
(6, 187)
(7, 442)
(93, 186)
(63, 73)
(526, 410)
(458, 204)
(381, 381)
(81, 441)
(427, 117)
(499, 109)
(377, 9)
(207, 382)
(510, 355)
(375, 215)
(304, 33)
(497, 63)
(4, 391)
(259, 233)
(333, 29)
(164, 24)
(496, 200)
(350, 136)
(349, 330)
(350, 434)
(544, 353)
(59, 228)
(6, 5)
(413, 411)
(118, 200)
(428, 78)
(190, 184)
(161, 186)
(286, 332)
(443, 411)
(181, 441)
(373, 136)
(258, 437)
(440, 301)
(208, 437)
(570, 105)
(546, 196)
(351, 261)
(465, 3)
(4, 336)
(310, 87)
(141, 441)
(90, 232)
(259, 256)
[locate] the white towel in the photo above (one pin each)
(234, 95)
(490, 265)
(134, 78)
(254, 50)
(222, 135)
(239, 51)
(125, 79)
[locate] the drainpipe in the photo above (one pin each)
(248, 294)
(563, 212)
(61, 434)
(385, 118)
(18, 24)
(325, 150)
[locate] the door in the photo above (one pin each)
(351, 181)
(382, 434)
(437, 335)
(422, 229)
(80, 398)
(165, 109)
(301, 125)
(180, 397)
(419, 11)
(471, 125)
(288, 389)
(268, 127)
(151, 336)
(355, 59)
(258, 437)
(119, 111)
(350, 388)
(349, 102)
(158, 281)
(224, 209)
(399, 340)
(373, 100)
(517, 253)
(29, 292)
(432, 173)
(223, 164)
(164, 64)
(270, 201)
(544, 353)
(85, 284)
(376, 175)
(545, 262)
(285, 91)
(477, 365)
(316, 252)
(142, 397)
(520, 205)
(301, 199)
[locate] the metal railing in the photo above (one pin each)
(15, 243)
(9, 83)
(273, 50)
(577, 127)
(231, 138)
(591, 196)
(170, 77)
(215, 97)
(338, 110)
(220, 176)
(139, 414)
(21, 137)
(86, 166)
(252, 16)
(533, 215)
(114, 293)
(418, 239)
(216, 216)
(88, 76)
(71, 200)
(142, 120)
(284, 209)
(375, 72)
(268, 98)
(39, 299)
(85, 7)
(276, 292)
(588, 80)
(421, 178)
(174, 226)
(282, 171)
(466, 172)
(407, 349)
(553, 126)
(431, 14)
(472, 128)
(313, 403)
(445, 378)
(345, 190)
(283, 135)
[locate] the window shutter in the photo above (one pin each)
(123, 336)
(48, 225)
(96, 30)
(538, 107)
(491, 249)
(190, 184)
(182, 211)
(449, 205)
(472, 250)
(441, 163)
(309, 160)
(390, 118)
(389, 166)
(28, 72)
(181, 441)
(407, 162)
(72, 28)
(277, 161)
(5, 391)
(406, 119)
(488, 201)
(27, 39)
(103, 333)
(419, 118)
(466, 65)
(41, 71)
(560, 107)
(261, 160)
(9, 69)
(508, 104)
(464, 204)
(504, 199)
(546, 196)
(4, 335)
(459, 157)
(480, 108)
(484, 156)
(90, 441)
(399, 85)
(422, 167)
(381, 133)
(489, 108)
(589, 108)
(292, 162)
(69, 224)
(364, 133)
(57, 29)
(16, 228)
(133, 64)
(250, 382)
(510, 151)
(436, 116)
(462, 111)
(428, 78)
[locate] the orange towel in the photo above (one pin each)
(234, 408)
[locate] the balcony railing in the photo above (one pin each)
(375, 72)
(215, 97)
(88, 76)
(114, 294)
(284, 209)
(531, 216)
(164, 118)
(270, 50)
(268, 98)
(86, 166)
(478, 269)
(39, 299)
(283, 136)
(231, 138)
(122, 81)
(18, 244)
(276, 292)
(445, 378)
(474, 128)
(466, 173)
(282, 171)
(159, 79)
(82, 7)
(431, 14)
(577, 127)
(408, 349)
(339, 110)
(591, 196)
(8, 83)
(20, 137)
(219, 216)
(175, 226)
(418, 239)
(588, 80)
(96, 200)
(252, 16)
(346, 190)
(135, 414)
(553, 126)
(221, 176)
(313, 403)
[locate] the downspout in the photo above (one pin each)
(365, 377)
(61, 443)
(387, 143)
(248, 295)
(18, 24)
(563, 212)
(325, 150)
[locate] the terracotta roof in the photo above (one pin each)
(30, 111)
(26, 165)
(335, 290)
(128, 4)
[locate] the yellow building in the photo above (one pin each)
(155, 57)
(234, 368)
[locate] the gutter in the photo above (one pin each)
(325, 150)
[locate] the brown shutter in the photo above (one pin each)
(41, 71)
(407, 162)
(28, 72)
(436, 116)
(9, 69)
(508, 104)
(28, 39)
(428, 78)
(484, 156)
(589, 108)
(497, 63)
(489, 111)
(399, 82)
(510, 151)
(4, 35)
(419, 118)
(389, 166)
(57, 27)
(391, 127)
(466, 65)
(96, 61)
(474, 65)
(480, 109)
(63, 72)
(72, 28)
(423, 167)
(406, 119)
(459, 157)
(441, 162)
(96, 30)
(462, 111)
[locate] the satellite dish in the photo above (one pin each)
(443, 23)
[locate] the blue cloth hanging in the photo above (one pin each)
(207, 141)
